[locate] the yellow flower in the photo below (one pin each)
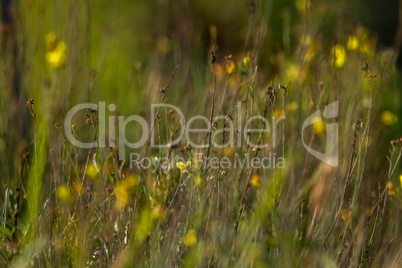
(309, 55)
(346, 216)
(92, 171)
(388, 118)
(278, 112)
(353, 42)
(338, 56)
(256, 181)
(292, 107)
(78, 187)
(122, 191)
(158, 212)
(190, 238)
(50, 40)
(400, 180)
(198, 181)
(57, 56)
(391, 189)
(319, 125)
(294, 73)
(303, 5)
(247, 62)
(230, 67)
(63, 192)
(183, 166)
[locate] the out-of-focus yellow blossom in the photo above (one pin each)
(63, 193)
(57, 52)
(183, 166)
(353, 42)
(198, 180)
(122, 190)
(51, 41)
(391, 189)
(319, 125)
(388, 118)
(310, 53)
(230, 67)
(303, 5)
(256, 181)
(190, 238)
(338, 56)
(158, 212)
(278, 112)
(291, 107)
(92, 171)
(400, 180)
(366, 47)
(306, 40)
(346, 216)
(247, 62)
(78, 187)
(229, 151)
(292, 72)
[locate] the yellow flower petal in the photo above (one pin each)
(63, 192)
(338, 56)
(256, 181)
(346, 215)
(353, 42)
(319, 125)
(190, 238)
(388, 118)
(181, 165)
(400, 180)
(230, 67)
(391, 189)
(92, 171)
(198, 181)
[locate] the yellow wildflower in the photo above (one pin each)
(278, 112)
(198, 180)
(303, 5)
(92, 171)
(247, 62)
(51, 41)
(63, 192)
(388, 118)
(158, 212)
(78, 187)
(230, 67)
(56, 57)
(391, 189)
(122, 191)
(292, 107)
(190, 238)
(400, 180)
(256, 181)
(183, 166)
(353, 42)
(319, 125)
(346, 216)
(309, 55)
(338, 56)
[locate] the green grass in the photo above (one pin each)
(63, 206)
